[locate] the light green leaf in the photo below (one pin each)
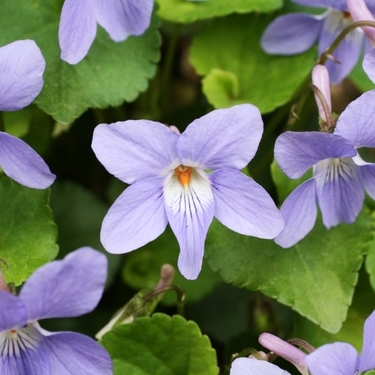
(160, 345)
(187, 11)
(27, 231)
(370, 259)
(142, 270)
(316, 277)
(110, 73)
(236, 70)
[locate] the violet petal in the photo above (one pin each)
(356, 123)
(121, 18)
(224, 138)
(77, 30)
(333, 359)
(340, 191)
(291, 34)
(135, 149)
(21, 74)
(299, 211)
(66, 288)
(21, 163)
(296, 152)
(190, 210)
(135, 218)
(244, 206)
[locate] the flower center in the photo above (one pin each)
(13, 342)
(183, 174)
(334, 168)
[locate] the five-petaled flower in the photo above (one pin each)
(340, 175)
(64, 288)
(21, 80)
(297, 32)
(342, 358)
(169, 182)
(79, 19)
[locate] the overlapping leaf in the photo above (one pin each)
(316, 277)
(27, 231)
(160, 345)
(236, 70)
(187, 11)
(111, 72)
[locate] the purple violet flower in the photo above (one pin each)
(170, 184)
(21, 80)
(63, 288)
(341, 358)
(252, 366)
(79, 19)
(340, 176)
(295, 33)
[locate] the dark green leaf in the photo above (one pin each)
(316, 277)
(160, 345)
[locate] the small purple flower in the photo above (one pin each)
(170, 184)
(340, 176)
(295, 33)
(65, 288)
(21, 80)
(252, 366)
(341, 358)
(79, 19)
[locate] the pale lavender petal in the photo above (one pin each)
(338, 358)
(320, 79)
(369, 64)
(136, 218)
(347, 53)
(360, 12)
(77, 30)
(367, 357)
(136, 149)
(299, 211)
(121, 18)
(73, 353)
(250, 366)
(291, 34)
(21, 74)
(340, 191)
(26, 355)
(190, 210)
(368, 178)
(66, 288)
(12, 312)
(244, 206)
(357, 122)
(336, 4)
(21, 163)
(224, 138)
(296, 152)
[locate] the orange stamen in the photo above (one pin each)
(183, 174)
(346, 14)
